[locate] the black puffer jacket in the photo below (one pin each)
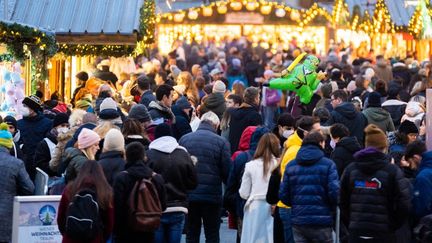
(355, 121)
(112, 163)
(343, 154)
(175, 165)
(242, 117)
(396, 108)
(375, 196)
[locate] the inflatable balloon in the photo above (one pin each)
(300, 78)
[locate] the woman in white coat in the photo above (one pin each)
(257, 220)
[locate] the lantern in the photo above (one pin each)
(178, 17)
(222, 9)
(251, 6)
(193, 14)
(266, 9)
(207, 11)
(280, 12)
(236, 6)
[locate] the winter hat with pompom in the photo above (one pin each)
(6, 139)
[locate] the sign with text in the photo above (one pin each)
(244, 18)
(35, 219)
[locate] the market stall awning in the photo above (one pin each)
(82, 21)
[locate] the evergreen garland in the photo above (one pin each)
(96, 50)
(148, 21)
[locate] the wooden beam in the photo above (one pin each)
(101, 39)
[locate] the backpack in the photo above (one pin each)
(83, 222)
(144, 206)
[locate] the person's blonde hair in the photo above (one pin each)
(87, 152)
(186, 79)
(103, 128)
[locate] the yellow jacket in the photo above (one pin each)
(292, 146)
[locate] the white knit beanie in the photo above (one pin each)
(108, 103)
(114, 141)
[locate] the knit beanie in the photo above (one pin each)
(407, 127)
(10, 120)
(183, 103)
(60, 118)
(87, 138)
(33, 102)
(108, 109)
(375, 137)
(219, 86)
(162, 130)
(139, 112)
(6, 139)
(114, 141)
(374, 99)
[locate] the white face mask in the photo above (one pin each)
(25, 111)
(287, 133)
(63, 130)
(332, 144)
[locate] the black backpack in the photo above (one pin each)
(83, 222)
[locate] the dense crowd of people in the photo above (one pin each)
(196, 135)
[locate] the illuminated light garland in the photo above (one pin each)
(96, 50)
(148, 21)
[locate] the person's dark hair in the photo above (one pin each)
(211, 56)
(39, 94)
(322, 113)
(236, 98)
(305, 123)
(286, 120)
(133, 127)
(250, 95)
(55, 96)
(379, 57)
(381, 87)
(268, 147)
(339, 130)
(313, 138)
(415, 148)
(143, 83)
(135, 152)
(200, 83)
(91, 174)
(163, 90)
(359, 81)
(340, 94)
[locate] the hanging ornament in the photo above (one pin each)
(236, 6)
(280, 12)
(251, 6)
(178, 17)
(192, 14)
(266, 9)
(207, 11)
(222, 9)
(295, 15)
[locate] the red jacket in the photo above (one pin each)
(106, 215)
(244, 141)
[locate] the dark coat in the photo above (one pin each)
(112, 163)
(137, 138)
(422, 200)
(71, 163)
(147, 97)
(310, 186)
(213, 154)
(242, 117)
(123, 185)
(396, 108)
(14, 181)
(175, 165)
(43, 155)
(355, 121)
(343, 154)
(106, 75)
(375, 196)
(33, 130)
(181, 126)
(213, 102)
(74, 138)
(157, 111)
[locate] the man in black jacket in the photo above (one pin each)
(375, 196)
(344, 112)
(173, 162)
(344, 146)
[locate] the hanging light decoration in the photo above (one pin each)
(236, 6)
(266, 9)
(295, 15)
(280, 12)
(222, 9)
(251, 6)
(193, 14)
(178, 17)
(207, 11)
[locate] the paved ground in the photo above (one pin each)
(226, 235)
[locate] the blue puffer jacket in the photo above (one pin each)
(310, 186)
(422, 199)
(213, 154)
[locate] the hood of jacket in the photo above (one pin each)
(413, 109)
(245, 139)
(293, 140)
(382, 64)
(179, 112)
(426, 162)
(138, 169)
(243, 111)
(165, 144)
(17, 136)
(256, 136)
(349, 143)
(376, 113)
(347, 110)
(370, 159)
(309, 154)
(158, 106)
(214, 100)
(111, 154)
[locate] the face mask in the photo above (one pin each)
(25, 111)
(332, 144)
(287, 133)
(63, 130)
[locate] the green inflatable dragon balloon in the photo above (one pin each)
(300, 78)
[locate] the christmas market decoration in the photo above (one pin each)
(96, 50)
(300, 78)
(420, 25)
(148, 21)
